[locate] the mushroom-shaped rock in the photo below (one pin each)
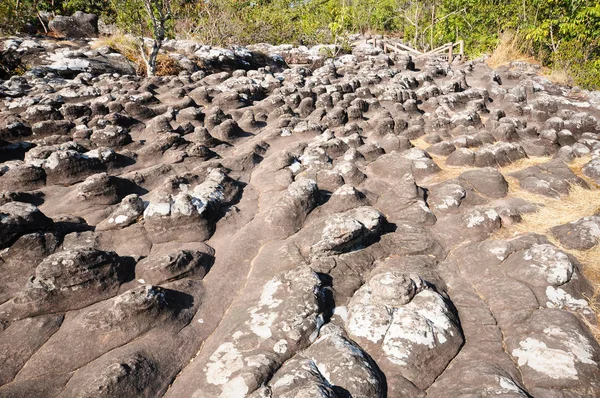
(17, 219)
(133, 375)
(100, 189)
(474, 224)
(157, 269)
(592, 169)
(336, 360)
(289, 212)
(68, 280)
(349, 230)
(128, 212)
(488, 181)
(111, 136)
(189, 215)
(410, 329)
(67, 166)
(18, 175)
(446, 198)
(541, 265)
(582, 234)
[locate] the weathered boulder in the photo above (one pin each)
(17, 219)
(68, 280)
(129, 211)
(79, 25)
(410, 330)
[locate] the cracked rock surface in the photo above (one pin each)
(282, 225)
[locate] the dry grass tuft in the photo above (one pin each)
(580, 203)
(560, 76)
(524, 163)
(125, 45)
(511, 48)
(420, 143)
(166, 66)
(128, 47)
(595, 306)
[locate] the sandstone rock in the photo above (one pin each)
(157, 269)
(129, 211)
(420, 332)
(18, 218)
(79, 25)
(189, 215)
(68, 280)
(582, 234)
(488, 181)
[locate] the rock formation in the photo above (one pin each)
(278, 224)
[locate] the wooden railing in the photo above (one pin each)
(447, 50)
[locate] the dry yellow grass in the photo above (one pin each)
(450, 172)
(166, 66)
(580, 203)
(558, 76)
(125, 45)
(511, 48)
(128, 47)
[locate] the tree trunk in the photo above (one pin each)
(151, 65)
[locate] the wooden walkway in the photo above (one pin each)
(446, 51)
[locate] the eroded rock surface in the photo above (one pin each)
(270, 223)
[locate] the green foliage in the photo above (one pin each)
(14, 15)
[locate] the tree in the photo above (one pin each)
(141, 17)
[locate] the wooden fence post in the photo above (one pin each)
(450, 52)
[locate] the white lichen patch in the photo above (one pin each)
(345, 190)
(500, 252)
(551, 262)
(420, 165)
(558, 298)
(508, 386)
(285, 380)
(295, 167)
(447, 203)
(551, 362)
(341, 311)
(369, 321)
(120, 219)
(475, 219)
(224, 362)
(323, 370)
(160, 209)
(261, 323)
(577, 344)
(267, 296)
(257, 361)
(234, 388)
(280, 347)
